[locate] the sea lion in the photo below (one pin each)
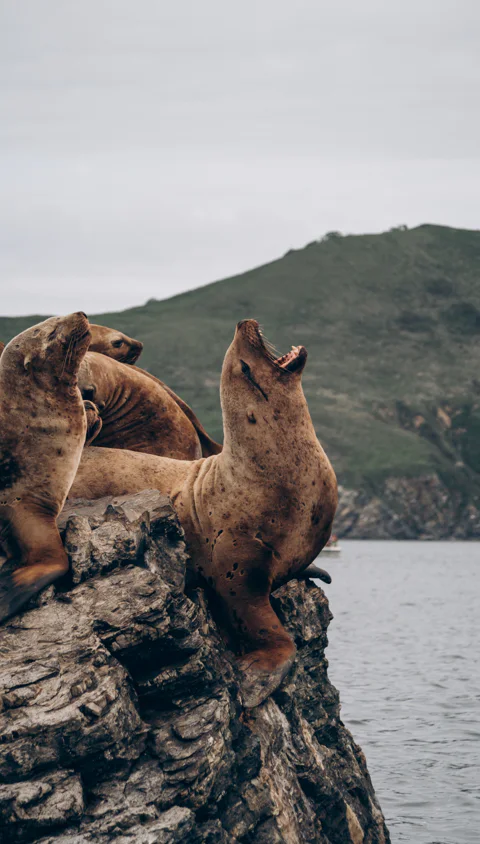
(114, 344)
(43, 427)
(208, 445)
(255, 515)
(137, 412)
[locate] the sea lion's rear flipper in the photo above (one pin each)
(314, 572)
(21, 584)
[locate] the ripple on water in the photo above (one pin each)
(404, 654)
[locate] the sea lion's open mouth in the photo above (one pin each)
(293, 361)
(133, 355)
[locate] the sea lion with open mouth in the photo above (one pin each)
(114, 344)
(42, 433)
(255, 515)
(137, 411)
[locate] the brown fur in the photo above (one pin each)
(94, 421)
(253, 515)
(114, 344)
(208, 445)
(137, 412)
(43, 425)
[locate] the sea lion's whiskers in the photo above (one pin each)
(66, 357)
(267, 345)
(272, 349)
(69, 354)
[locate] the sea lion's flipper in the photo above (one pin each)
(18, 586)
(37, 558)
(257, 682)
(268, 650)
(314, 572)
(94, 421)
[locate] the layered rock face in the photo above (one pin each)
(442, 504)
(120, 714)
(408, 508)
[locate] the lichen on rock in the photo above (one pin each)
(121, 718)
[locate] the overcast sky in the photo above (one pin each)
(147, 147)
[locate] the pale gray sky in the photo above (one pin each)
(147, 147)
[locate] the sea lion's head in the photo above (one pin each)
(257, 388)
(114, 344)
(48, 354)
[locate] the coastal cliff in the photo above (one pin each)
(408, 508)
(121, 718)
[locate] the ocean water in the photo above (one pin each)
(404, 651)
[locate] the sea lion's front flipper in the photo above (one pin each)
(37, 559)
(94, 421)
(18, 586)
(268, 651)
(257, 679)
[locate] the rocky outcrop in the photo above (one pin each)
(442, 504)
(407, 508)
(120, 714)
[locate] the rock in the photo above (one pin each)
(110, 532)
(407, 508)
(120, 713)
(27, 808)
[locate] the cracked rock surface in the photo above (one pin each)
(120, 718)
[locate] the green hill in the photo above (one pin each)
(392, 327)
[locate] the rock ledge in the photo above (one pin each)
(120, 716)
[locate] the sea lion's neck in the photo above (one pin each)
(270, 438)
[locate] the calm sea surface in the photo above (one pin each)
(405, 654)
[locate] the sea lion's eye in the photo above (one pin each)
(117, 344)
(245, 368)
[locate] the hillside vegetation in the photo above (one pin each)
(392, 327)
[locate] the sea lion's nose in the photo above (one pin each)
(245, 321)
